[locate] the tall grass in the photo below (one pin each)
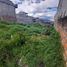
(31, 45)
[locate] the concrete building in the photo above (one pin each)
(61, 25)
(61, 15)
(22, 17)
(7, 10)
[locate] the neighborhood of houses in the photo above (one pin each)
(7, 13)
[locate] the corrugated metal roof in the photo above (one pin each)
(7, 2)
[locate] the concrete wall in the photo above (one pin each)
(22, 17)
(61, 13)
(61, 25)
(62, 9)
(7, 12)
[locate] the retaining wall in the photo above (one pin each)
(63, 35)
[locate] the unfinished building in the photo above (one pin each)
(61, 24)
(7, 10)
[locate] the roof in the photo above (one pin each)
(7, 2)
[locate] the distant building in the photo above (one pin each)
(7, 10)
(22, 17)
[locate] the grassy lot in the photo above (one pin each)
(31, 45)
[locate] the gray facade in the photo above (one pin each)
(7, 10)
(62, 9)
(61, 15)
(22, 17)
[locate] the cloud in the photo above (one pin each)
(38, 8)
(15, 1)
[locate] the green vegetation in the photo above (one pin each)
(31, 45)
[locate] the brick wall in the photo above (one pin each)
(63, 35)
(8, 18)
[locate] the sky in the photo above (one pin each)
(44, 9)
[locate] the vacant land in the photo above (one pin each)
(31, 45)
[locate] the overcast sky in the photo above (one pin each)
(38, 8)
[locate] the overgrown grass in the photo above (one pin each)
(31, 45)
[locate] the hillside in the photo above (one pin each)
(31, 45)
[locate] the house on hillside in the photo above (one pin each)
(7, 10)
